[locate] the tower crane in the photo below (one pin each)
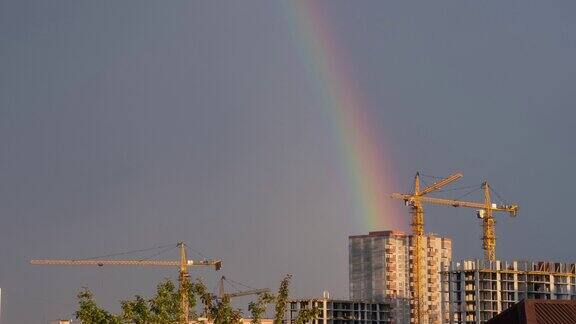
(183, 264)
(223, 294)
(417, 226)
(485, 212)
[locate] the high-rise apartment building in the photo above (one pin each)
(380, 270)
(480, 289)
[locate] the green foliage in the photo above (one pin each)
(199, 289)
(282, 300)
(307, 315)
(220, 312)
(90, 313)
(164, 307)
(136, 311)
(258, 308)
(223, 313)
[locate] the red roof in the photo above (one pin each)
(538, 311)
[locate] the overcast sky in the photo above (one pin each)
(133, 124)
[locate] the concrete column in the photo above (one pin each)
(477, 291)
(325, 311)
(498, 292)
(552, 287)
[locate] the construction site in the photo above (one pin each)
(396, 277)
(417, 275)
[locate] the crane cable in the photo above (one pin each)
(497, 195)
(197, 252)
(430, 176)
(158, 253)
(469, 193)
(456, 189)
(165, 248)
(233, 284)
(127, 252)
(239, 283)
(446, 190)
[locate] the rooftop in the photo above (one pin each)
(538, 311)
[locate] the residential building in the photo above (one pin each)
(480, 289)
(380, 269)
(340, 311)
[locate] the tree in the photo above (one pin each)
(164, 307)
(307, 315)
(223, 313)
(258, 308)
(90, 313)
(282, 300)
(136, 311)
(199, 288)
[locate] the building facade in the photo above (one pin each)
(339, 311)
(479, 289)
(380, 266)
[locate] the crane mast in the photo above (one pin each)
(183, 264)
(184, 281)
(488, 226)
(417, 227)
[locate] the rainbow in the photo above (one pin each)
(366, 169)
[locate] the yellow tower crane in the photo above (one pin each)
(223, 294)
(485, 212)
(417, 225)
(183, 264)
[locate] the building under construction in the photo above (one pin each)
(339, 311)
(380, 266)
(479, 290)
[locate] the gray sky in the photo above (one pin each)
(132, 124)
